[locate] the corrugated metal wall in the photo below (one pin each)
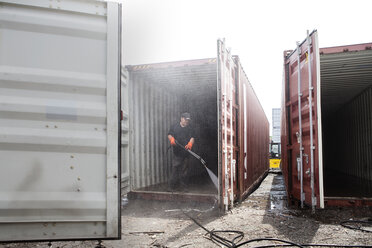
(228, 125)
(349, 138)
(344, 75)
(256, 161)
(346, 109)
(56, 180)
(125, 137)
(153, 111)
(300, 132)
(159, 93)
(341, 129)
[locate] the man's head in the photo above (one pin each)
(185, 119)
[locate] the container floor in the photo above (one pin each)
(197, 185)
(341, 185)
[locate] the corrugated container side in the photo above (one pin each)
(339, 83)
(59, 120)
(285, 128)
(228, 128)
(349, 136)
(345, 81)
(125, 136)
(356, 120)
(256, 135)
(300, 115)
(159, 94)
(232, 131)
(151, 119)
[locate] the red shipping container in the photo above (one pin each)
(326, 124)
(231, 126)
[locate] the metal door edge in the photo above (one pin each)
(319, 113)
(113, 214)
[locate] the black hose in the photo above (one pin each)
(235, 241)
(240, 235)
(289, 243)
(341, 246)
(317, 245)
(357, 227)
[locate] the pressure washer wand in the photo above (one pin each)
(193, 153)
(210, 173)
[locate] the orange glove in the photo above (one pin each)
(172, 141)
(188, 146)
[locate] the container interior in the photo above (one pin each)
(160, 93)
(346, 98)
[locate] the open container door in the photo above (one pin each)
(227, 126)
(346, 87)
(125, 137)
(301, 124)
(59, 120)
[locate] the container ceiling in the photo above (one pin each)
(344, 76)
(185, 77)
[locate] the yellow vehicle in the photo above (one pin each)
(274, 155)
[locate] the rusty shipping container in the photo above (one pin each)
(326, 130)
(232, 131)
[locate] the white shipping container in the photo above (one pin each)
(59, 120)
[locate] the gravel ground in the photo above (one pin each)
(263, 214)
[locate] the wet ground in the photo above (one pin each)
(264, 214)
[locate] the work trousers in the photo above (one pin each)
(179, 172)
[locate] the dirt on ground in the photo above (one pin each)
(264, 214)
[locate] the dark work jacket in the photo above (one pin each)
(182, 136)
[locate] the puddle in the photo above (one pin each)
(278, 196)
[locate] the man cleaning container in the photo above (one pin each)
(183, 134)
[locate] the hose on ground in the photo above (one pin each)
(357, 225)
(234, 243)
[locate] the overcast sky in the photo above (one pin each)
(257, 31)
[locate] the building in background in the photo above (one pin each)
(276, 125)
(275, 140)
